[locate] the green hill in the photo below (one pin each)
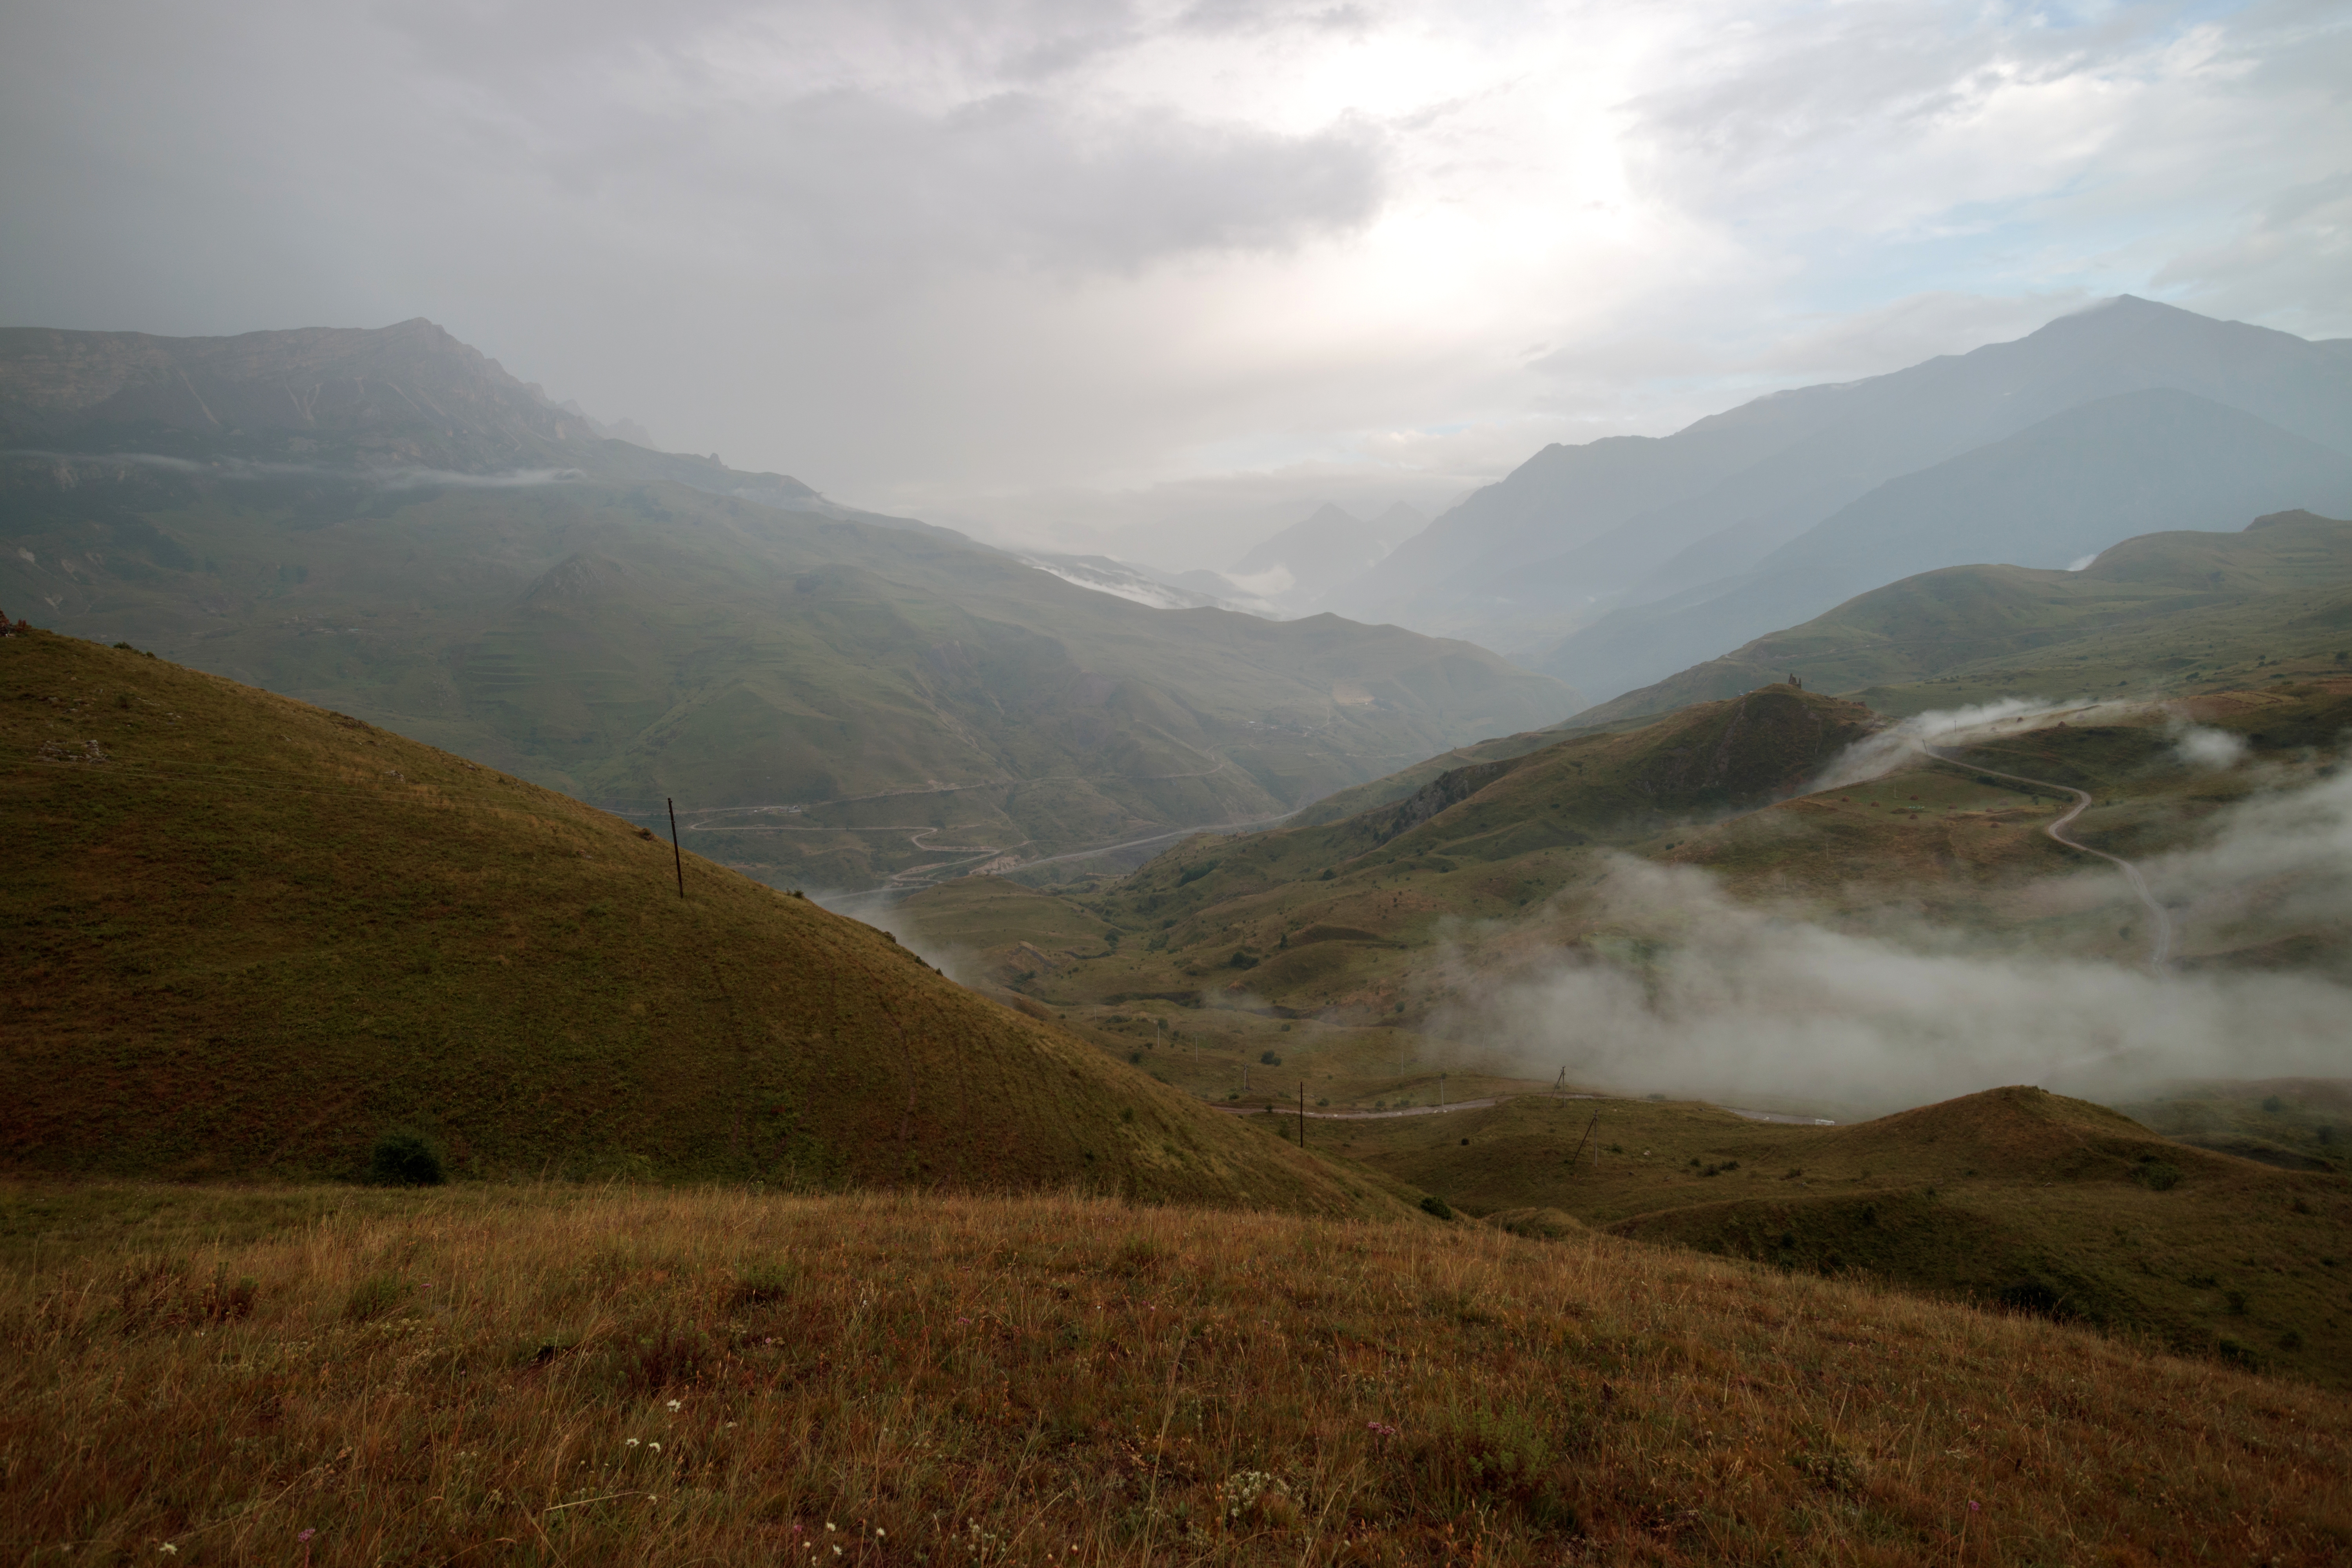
(2160, 615)
(2014, 1197)
(834, 698)
(1334, 920)
(253, 936)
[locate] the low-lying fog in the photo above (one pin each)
(1706, 996)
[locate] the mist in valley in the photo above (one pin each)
(1677, 987)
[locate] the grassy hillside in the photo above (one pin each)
(693, 1378)
(1322, 917)
(251, 936)
(2160, 615)
(2010, 1198)
(832, 700)
(1337, 959)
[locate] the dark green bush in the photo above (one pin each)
(405, 1160)
(2158, 1177)
(1438, 1206)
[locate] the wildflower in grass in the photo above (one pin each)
(1379, 1429)
(653, 1447)
(676, 1403)
(168, 1550)
(630, 1444)
(305, 1537)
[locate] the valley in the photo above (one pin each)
(826, 693)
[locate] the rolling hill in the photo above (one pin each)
(2014, 1197)
(2162, 614)
(835, 698)
(253, 936)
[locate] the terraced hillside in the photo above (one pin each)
(250, 937)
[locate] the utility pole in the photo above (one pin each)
(1302, 1113)
(676, 853)
(1577, 1158)
(1441, 1091)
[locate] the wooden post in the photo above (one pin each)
(1577, 1158)
(676, 853)
(1302, 1113)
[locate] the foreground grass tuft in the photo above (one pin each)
(538, 1375)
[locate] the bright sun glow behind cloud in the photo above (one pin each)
(1062, 269)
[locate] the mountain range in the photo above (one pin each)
(1615, 563)
(387, 523)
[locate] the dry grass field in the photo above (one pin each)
(495, 1374)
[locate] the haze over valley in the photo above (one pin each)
(1131, 783)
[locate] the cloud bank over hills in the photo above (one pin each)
(1062, 272)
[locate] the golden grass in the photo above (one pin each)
(668, 1377)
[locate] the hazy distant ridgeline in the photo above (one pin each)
(387, 523)
(1614, 562)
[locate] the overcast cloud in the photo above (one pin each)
(1064, 271)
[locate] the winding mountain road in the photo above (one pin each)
(2160, 951)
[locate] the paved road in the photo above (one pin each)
(2160, 950)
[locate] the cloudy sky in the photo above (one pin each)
(1151, 276)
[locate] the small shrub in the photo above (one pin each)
(2157, 1176)
(2291, 1340)
(2032, 1296)
(2273, 1104)
(2236, 1299)
(1269, 1058)
(761, 1284)
(402, 1159)
(374, 1297)
(1434, 1205)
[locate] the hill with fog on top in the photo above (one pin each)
(253, 936)
(388, 524)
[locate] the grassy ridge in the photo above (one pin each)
(2163, 614)
(680, 1378)
(252, 935)
(2014, 1197)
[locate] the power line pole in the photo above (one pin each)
(1577, 1158)
(676, 853)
